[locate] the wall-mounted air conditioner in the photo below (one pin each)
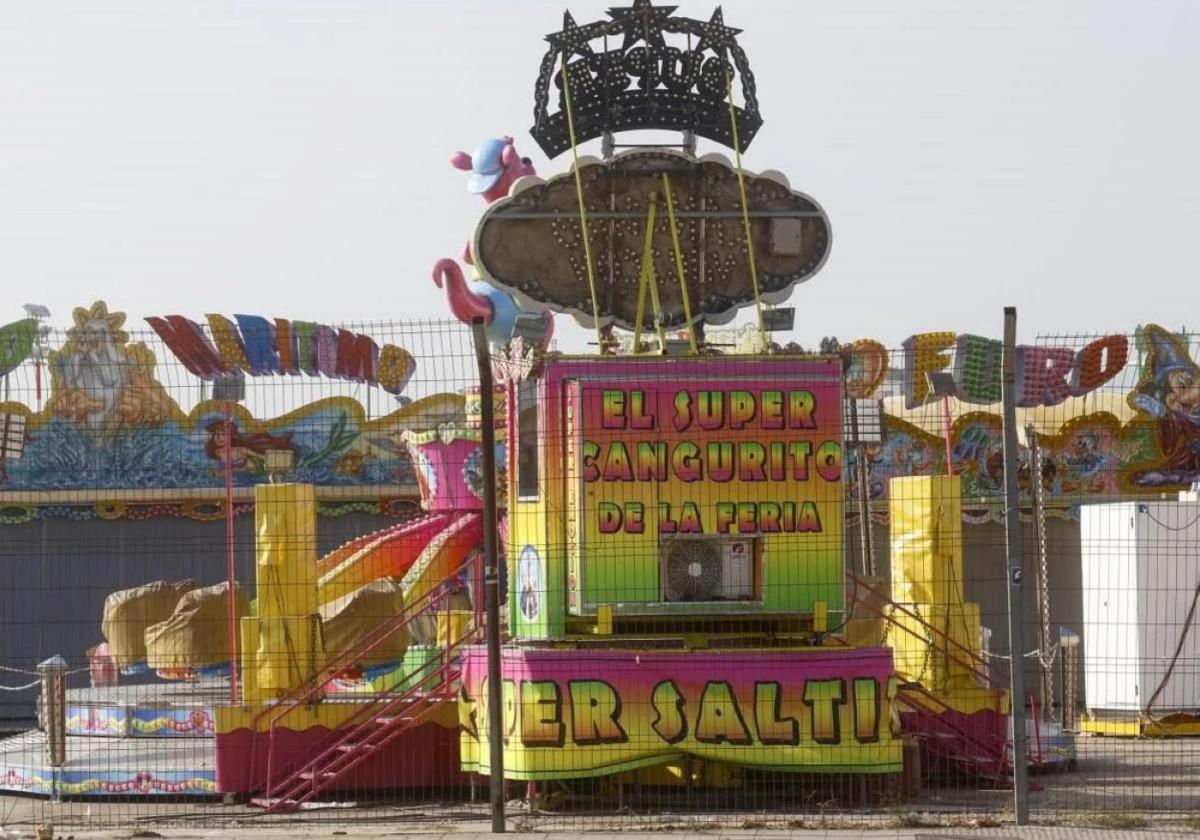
(707, 569)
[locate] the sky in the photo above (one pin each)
(290, 158)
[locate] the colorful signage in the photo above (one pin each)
(568, 715)
(1045, 375)
(260, 347)
(719, 456)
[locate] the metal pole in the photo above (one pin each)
(946, 427)
(54, 703)
(863, 493)
(230, 562)
(491, 576)
(1042, 579)
(1012, 528)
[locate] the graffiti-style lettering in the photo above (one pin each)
(772, 725)
(612, 410)
(825, 699)
(866, 710)
(829, 460)
(719, 720)
(670, 722)
(595, 713)
(542, 722)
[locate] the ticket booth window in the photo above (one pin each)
(527, 439)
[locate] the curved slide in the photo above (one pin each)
(419, 553)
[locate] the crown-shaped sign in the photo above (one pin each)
(645, 68)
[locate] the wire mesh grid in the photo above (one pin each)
(751, 591)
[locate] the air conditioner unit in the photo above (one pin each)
(707, 569)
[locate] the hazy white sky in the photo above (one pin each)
(289, 157)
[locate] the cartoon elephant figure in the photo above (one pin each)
(494, 167)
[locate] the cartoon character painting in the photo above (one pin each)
(248, 451)
(1170, 393)
(495, 167)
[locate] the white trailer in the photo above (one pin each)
(1141, 580)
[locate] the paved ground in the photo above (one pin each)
(1145, 788)
(1012, 833)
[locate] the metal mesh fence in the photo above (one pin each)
(752, 590)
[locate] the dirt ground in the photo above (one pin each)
(1118, 783)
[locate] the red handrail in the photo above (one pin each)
(367, 643)
(304, 693)
(918, 697)
(364, 720)
(973, 662)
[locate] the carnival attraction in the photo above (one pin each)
(675, 509)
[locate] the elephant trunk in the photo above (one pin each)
(464, 303)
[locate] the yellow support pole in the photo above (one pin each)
(587, 245)
(687, 304)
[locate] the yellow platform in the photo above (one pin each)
(1143, 726)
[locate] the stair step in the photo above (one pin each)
(275, 804)
(388, 720)
(309, 775)
(347, 748)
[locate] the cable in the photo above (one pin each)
(1187, 625)
(737, 152)
(1167, 527)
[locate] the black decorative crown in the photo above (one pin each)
(644, 82)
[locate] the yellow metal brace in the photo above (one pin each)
(648, 281)
(683, 292)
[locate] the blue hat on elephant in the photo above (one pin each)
(487, 165)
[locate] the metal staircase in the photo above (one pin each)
(944, 736)
(376, 720)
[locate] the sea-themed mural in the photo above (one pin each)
(109, 423)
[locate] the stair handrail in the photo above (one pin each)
(987, 745)
(369, 711)
(974, 663)
(372, 639)
(303, 693)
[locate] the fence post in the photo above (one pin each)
(1012, 534)
(54, 698)
(491, 575)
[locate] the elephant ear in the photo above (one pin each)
(461, 160)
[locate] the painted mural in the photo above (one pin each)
(110, 424)
(1086, 452)
(1116, 416)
